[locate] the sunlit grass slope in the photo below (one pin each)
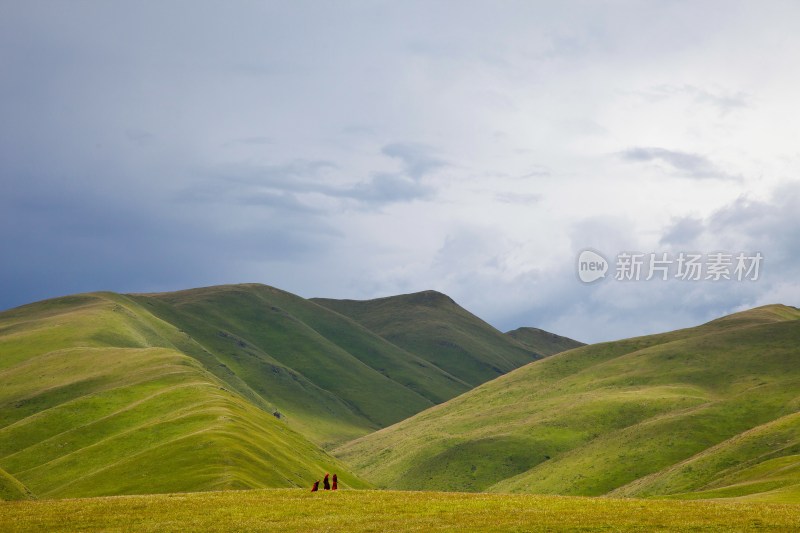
(11, 488)
(288, 510)
(707, 411)
(432, 326)
(762, 463)
(97, 398)
(330, 377)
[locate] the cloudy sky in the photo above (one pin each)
(362, 149)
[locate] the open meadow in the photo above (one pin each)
(369, 510)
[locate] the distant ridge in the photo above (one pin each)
(432, 326)
(543, 342)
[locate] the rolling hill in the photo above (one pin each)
(329, 377)
(11, 488)
(432, 326)
(239, 386)
(709, 411)
(98, 399)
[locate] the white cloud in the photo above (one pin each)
(684, 164)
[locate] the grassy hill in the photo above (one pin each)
(11, 488)
(705, 411)
(330, 377)
(288, 510)
(98, 398)
(435, 328)
(239, 386)
(543, 342)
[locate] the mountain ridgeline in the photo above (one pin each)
(434, 328)
(240, 386)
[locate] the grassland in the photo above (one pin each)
(249, 387)
(710, 411)
(288, 510)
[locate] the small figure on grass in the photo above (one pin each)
(325, 483)
(335, 482)
(315, 488)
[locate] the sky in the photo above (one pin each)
(362, 149)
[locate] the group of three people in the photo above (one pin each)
(326, 484)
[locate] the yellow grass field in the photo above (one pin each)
(368, 510)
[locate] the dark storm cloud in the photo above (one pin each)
(684, 164)
(76, 231)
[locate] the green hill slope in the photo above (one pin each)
(761, 463)
(235, 386)
(707, 410)
(330, 377)
(98, 398)
(543, 342)
(11, 488)
(435, 328)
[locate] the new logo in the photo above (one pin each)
(591, 266)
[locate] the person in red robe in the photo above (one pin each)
(335, 482)
(325, 483)
(315, 488)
